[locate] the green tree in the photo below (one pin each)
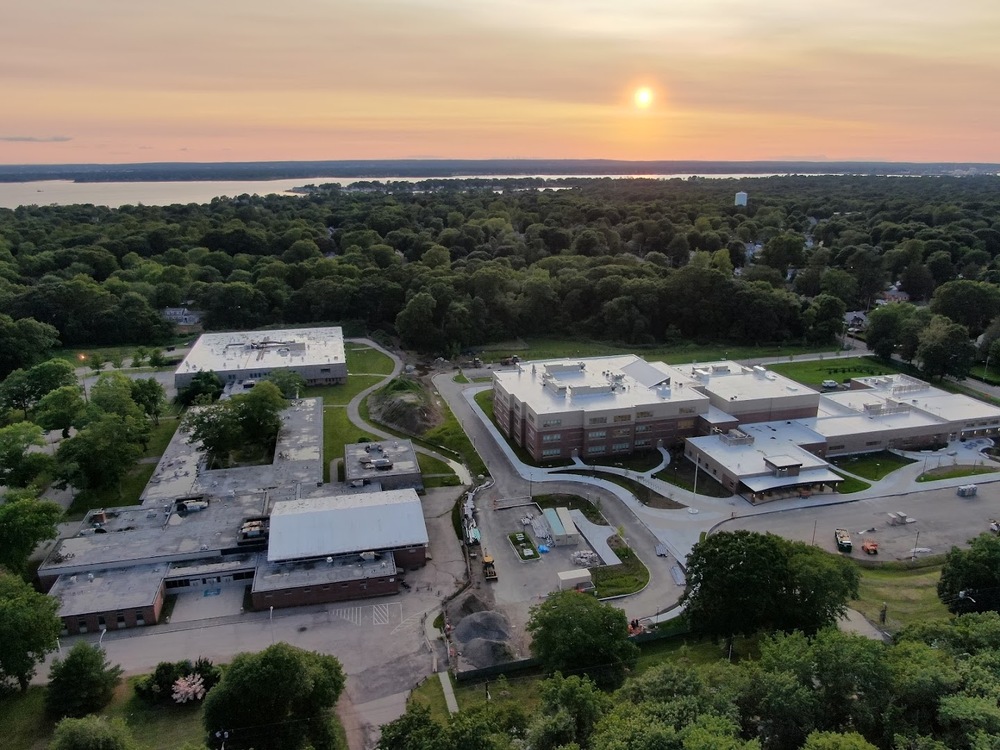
(972, 304)
(289, 382)
(741, 582)
(112, 394)
(970, 578)
(416, 324)
(414, 730)
(24, 342)
(837, 741)
(101, 454)
(249, 419)
(574, 632)
(24, 388)
(277, 699)
(82, 683)
(570, 711)
(25, 521)
(28, 629)
(61, 409)
(945, 349)
(825, 318)
(150, 396)
(19, 464)
(93, 733)
(205, 388)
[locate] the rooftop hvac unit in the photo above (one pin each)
(329, 561)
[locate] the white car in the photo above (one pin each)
(831, 384)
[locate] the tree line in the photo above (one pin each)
(635, 261)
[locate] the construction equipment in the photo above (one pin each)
(844, 543)
(489, 569)
(869, 547)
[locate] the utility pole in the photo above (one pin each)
(814, 532)
(916, 541)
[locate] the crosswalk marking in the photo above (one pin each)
(351, 614)
(380, 614)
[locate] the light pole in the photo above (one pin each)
(100, 641)
(270, 617)
(916, 541)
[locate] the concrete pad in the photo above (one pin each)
(212, 601)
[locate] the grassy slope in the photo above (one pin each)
(814, 372)
(337, 431)
(368, 361)
(675, 354)
(872, 466)
(910, 595)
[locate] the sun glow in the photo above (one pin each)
(643, 97)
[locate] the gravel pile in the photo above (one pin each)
(482, 652)
(491, 626)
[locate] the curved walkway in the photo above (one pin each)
(354, 412)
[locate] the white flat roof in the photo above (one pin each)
(259, 350)
(777, 441)
(341, 524)
(731, 381)
(596, 384)
(948, 407)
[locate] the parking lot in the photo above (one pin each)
(940, 517)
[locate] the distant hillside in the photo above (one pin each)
(185, 172)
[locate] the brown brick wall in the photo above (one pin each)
(326, 592)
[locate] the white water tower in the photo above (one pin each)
(741, 198)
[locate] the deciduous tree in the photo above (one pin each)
(24, 522)
(574, 633)
(28, 629)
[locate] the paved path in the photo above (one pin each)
(449, 694)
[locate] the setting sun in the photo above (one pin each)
(643, 97)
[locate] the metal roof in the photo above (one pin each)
(337, 525)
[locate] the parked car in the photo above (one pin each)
(831, 384)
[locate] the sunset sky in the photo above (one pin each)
(219, 80)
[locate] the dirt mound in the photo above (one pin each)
(405, 405)
(490, 626)
(469, 606)
(483, 652)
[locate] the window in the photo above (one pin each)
(324, 369)
(642, 443)
(642, 428)
(552, 423)
(687, 410)
(140, 618)
(531, 418)
(597, 434)
(873, 442)
(623, 433)
(597, 420)
(551, 452)
(620, 447)
(643, 414)
(685, 424)
(623, 418)
(597, 449)
(552, 437)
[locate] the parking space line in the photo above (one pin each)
(351, 614)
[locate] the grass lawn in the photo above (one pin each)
(638, 462)
(156, 727)
(341, 395)
(673, 354)
(617, 580)
(430, 693)
(430, 466)
(364, 359)
(131, 488)
(450, 435)
(955, 471)
(814, 372)
(523, 546)
(850, 484)
(460, 378)
(160, 437)
(22, 716)
(872, 466)
(910, 595)
(643, 494)
(591, 511)
(337, 431)
(680, 473)
(686, 650)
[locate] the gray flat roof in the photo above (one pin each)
(298, 458)
(777, 442)
(921, 396)
(144, 535)
(360, 460)
(277, 576)
(263, 350)
(335, 525)
(731, 381)
(108, 590)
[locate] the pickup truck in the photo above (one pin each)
(844, 543)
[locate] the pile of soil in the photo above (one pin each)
(469, 606)
(405, 405)
(491, 626)
(481, 652)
